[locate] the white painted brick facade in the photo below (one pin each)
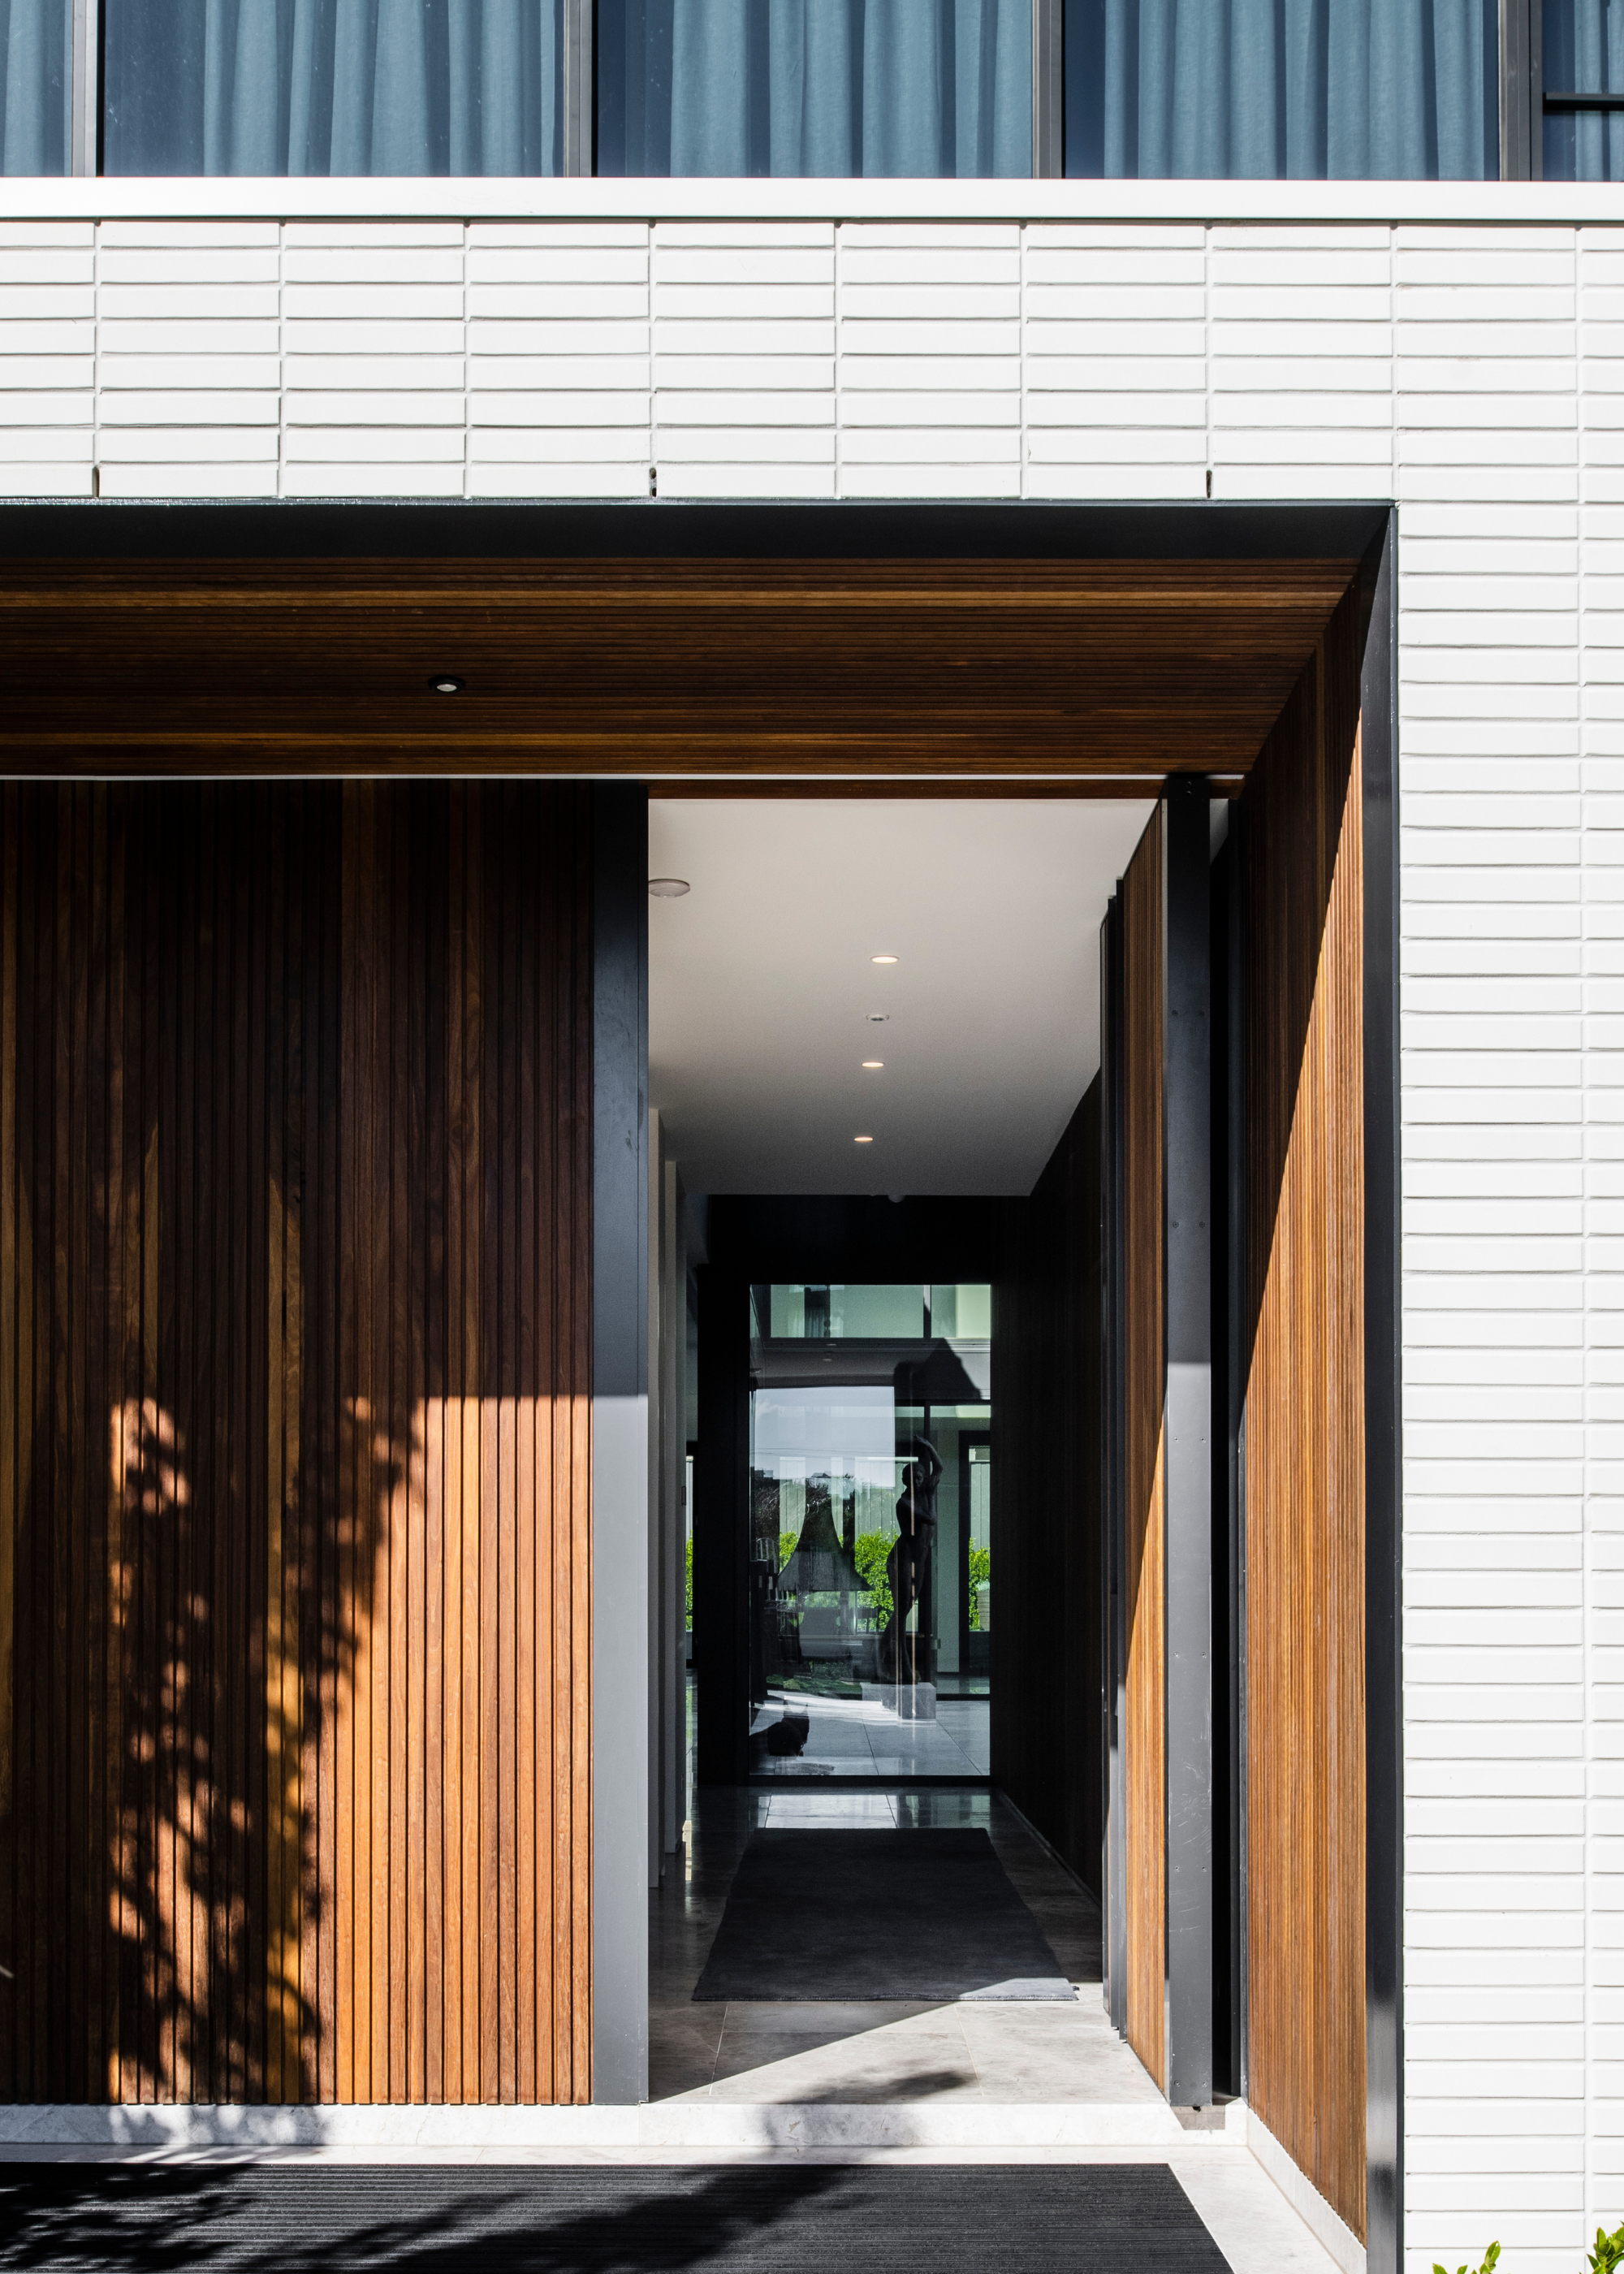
(1469, 365)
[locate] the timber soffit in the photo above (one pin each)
(994, 642)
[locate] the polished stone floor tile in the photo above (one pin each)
(882, 2049)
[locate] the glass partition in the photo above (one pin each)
(870, 1530)
(841, 87)
(333, 86)
(36, 80)
(1283, 89)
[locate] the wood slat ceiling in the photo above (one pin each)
(702, 668)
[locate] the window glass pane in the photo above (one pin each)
(1584, 43)
(36, 76)
(814, 86)
(333, 86)
(1299, 89)
(1585, 145)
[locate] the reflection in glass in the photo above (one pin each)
(870, 1546)
(36, 75)
(1281, 90)
(333, 86)
(1583, 51)
(920, 87)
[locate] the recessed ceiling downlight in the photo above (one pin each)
(862, 1141)
(882, 958)
(873, 1065)
(667, 888)
(446, 683)
(878, 1018)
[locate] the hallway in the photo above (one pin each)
(879, 2051)
(894, 2081)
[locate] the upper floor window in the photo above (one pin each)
(814, 86)
(1583, 90)
(1386, 89)
(1292, 89)
(36, 79)
(332, 87)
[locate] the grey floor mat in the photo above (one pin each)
(862, 1914)
(1121, 2218)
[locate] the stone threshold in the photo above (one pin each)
(976, 2130)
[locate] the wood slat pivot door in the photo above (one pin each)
(1304, 1428)
(1144, 1529)
(295, 1399)
(1163, 1532)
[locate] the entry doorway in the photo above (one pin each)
(861, 1397)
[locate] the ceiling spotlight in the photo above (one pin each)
(873, 1066)
(862, 1141)
(446, 683)
(667, 888)
(882, 958)
(878, 1018)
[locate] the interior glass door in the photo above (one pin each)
(870, 1413)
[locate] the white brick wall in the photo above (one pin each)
(1476, 373)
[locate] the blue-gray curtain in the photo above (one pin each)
(333, 86)
(1585, 55)
(1306, 89)
(843, 88)
(36, 72)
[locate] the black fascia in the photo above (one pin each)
(360, 528)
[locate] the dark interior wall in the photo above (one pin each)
(294, 1393)
(814, 1239)
(1047, 1631)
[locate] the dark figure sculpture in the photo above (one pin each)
(909, 1560)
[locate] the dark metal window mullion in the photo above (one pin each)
(580, 121)
(1047, 115)
(84, 92)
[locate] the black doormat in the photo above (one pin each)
(858, 1915)
(772, 2218)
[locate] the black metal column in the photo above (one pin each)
(621, 1669)
(1187, 1427)
(721, 1528)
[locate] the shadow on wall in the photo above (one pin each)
(294, 1379)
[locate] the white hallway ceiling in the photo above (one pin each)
(760, 986)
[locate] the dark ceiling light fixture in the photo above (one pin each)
(446, 683)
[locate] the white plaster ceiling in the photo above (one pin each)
(760, 984)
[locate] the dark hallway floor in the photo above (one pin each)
(877, 2050)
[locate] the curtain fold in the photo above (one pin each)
(1306, 89)
(36, 57)
(827, 88)
(333, 86)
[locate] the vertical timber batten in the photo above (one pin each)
(1163, 1411)
(295, 1206)
(620, 1672)
(1384, 1763)
(1306, 1330)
